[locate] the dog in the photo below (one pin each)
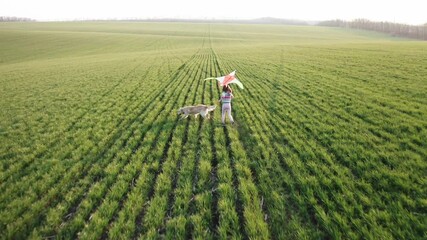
(203, 110)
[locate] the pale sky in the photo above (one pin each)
(399, 11)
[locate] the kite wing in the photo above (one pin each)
(230, 78)
(236, 81)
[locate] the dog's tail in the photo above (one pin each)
(211, 108)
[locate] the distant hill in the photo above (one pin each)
(269, 20)
(265, 20)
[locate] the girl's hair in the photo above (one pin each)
(226, 89)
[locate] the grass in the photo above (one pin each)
(330, 139)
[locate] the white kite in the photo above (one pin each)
(230, 78)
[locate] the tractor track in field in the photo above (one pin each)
(176, 177)
(239, 201)
(139, 220)
(215, 160)
(195, 171)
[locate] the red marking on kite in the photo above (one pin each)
(228, 79)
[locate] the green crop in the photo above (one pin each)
(330, 140)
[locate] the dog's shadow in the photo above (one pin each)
(194, 119)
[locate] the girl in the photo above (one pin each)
(226, 96)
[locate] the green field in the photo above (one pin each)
(330, 140)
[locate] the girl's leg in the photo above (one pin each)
(229, 115)
(223, 114)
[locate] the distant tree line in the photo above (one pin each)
(395, 29)
(15, 19)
